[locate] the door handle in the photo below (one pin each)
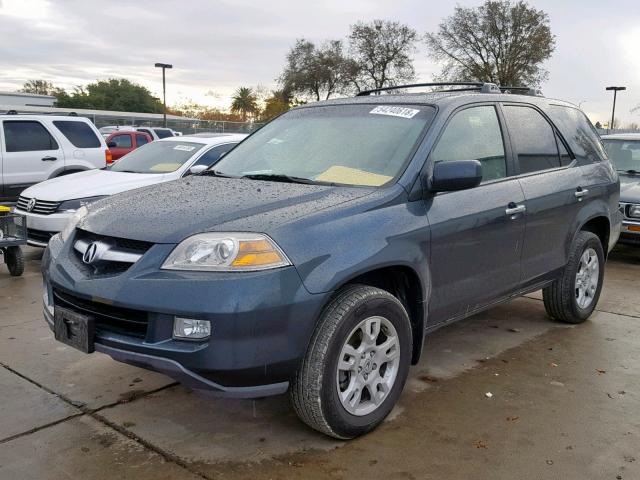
(49, 159)
(513, 209)
(580, 193)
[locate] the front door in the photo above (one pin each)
(476, 234)
(30, 154)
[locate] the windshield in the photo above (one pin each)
(624, 153)
(157, 157)
(365, 145)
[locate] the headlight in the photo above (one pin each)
(73, 221)
(226, 252)
(72, 205)
(634, 211)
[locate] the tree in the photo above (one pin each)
(500, 42)
(244, 102)
(113, 94)
(279, 102)
(40, 87)
(317, 72)
(382, 51)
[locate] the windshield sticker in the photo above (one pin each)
(184, 148)
(275, 141)
(401, 112)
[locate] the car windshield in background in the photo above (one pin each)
(157, 157)
(624, 153)
(365, 145)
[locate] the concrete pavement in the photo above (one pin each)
(565, 404)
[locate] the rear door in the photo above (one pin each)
(550, 180)
(476, 234)
(30, 154)
(122, 144)
(142, 139)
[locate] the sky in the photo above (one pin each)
(216, 46)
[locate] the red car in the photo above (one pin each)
(121, 143)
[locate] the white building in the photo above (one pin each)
(9, 100)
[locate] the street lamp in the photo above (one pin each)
(164, 66)
(615, 93)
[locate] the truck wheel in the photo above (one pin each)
(573, 297)
(356, 364)
(14, 260)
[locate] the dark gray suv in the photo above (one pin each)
(319, 252)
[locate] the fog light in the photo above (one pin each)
(191, 328)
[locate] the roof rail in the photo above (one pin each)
(472, 85)
(482, 87)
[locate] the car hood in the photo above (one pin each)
(172, 211)
(91, 183)
(630, 188)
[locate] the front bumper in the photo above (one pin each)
(40, 228)
(261, 321)
(630, 232)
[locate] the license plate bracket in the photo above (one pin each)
(74, 329)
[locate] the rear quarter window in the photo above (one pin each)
(79, 134)
(577, 130)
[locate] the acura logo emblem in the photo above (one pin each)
(90, 254)
(31, 205)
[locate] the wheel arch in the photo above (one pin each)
(403, 282)
(600, 226)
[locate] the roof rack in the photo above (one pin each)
(482, 87)
(55, 114)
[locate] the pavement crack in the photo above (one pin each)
(41, 427)
(166, 455)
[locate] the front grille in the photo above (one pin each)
(109, 318)
(137, 246)
(39, 235)
(106, 267)
(42, 207)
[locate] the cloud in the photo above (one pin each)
(218, 46)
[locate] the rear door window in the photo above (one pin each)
(122, 141)
(141, 139)
(79, 134)
(474, 134)
(27, 136)
(163, 132)
(533, 139)
(577, 130)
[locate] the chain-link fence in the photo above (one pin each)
(185, 126)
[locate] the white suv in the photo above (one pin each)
(34, 148)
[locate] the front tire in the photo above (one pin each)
(356, 364)
(573, 297)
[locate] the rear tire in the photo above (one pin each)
(15, 261)
(351, 376)
(573, 297)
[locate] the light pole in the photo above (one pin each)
(615, 93)
(164, 66)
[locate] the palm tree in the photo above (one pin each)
(244, 102)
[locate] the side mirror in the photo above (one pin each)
(112, 145)
(455, 175)
(196, 169)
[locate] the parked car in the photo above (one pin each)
(109, 129)
(318, 253)
(624, 151)
(121, 143)
(49, 205)
(38, 147)
(157, 133)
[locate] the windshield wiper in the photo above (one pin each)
(278, 177)
(215, 173)
(630, 172)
